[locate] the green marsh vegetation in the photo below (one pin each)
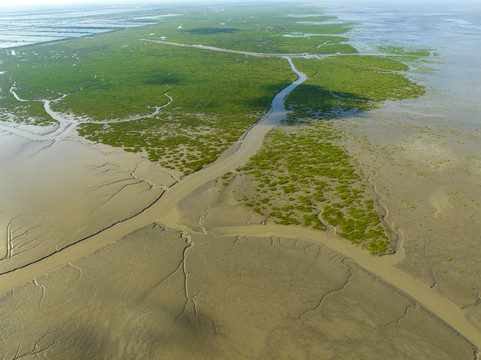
(340, 84)
(304, 178)
(420, 60)
(301, 176)
(216, 96)
(260, 29)
(12, 110)
(399, 50)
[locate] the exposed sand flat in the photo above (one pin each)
(439, 200)
(426, 173)
(36, 133)
(382, 267)
(215, 297)
(55, 193)
(214, 205)
(213, 208)
(424, 154)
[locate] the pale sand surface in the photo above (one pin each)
(217, 297)
(213, 205)
(427, 175)
(213, 208)
(56, 193)
(424, 157)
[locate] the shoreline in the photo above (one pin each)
(86, 36)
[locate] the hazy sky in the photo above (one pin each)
(37, 3)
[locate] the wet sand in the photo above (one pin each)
(423, 157)
(428, 174)
(55, 193)
(214, 209)
(218, 297)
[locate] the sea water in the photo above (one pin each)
(452, 33)
(19, 27)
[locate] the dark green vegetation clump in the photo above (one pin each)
(304, 178)
(345, 83)
(260, 29)
(399, 50)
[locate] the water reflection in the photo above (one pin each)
(26, 27)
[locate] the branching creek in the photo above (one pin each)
(65, 124)
(163, 211)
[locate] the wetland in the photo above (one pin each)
(212, 185)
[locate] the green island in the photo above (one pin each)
(182, 107)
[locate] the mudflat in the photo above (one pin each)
(216, 297)
(57, 193)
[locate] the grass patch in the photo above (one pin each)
(217, 96)
(259, 29)
(345, 83)
(398, 50)
(303, 178)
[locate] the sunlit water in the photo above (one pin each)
(451, 31)
(20, 27)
